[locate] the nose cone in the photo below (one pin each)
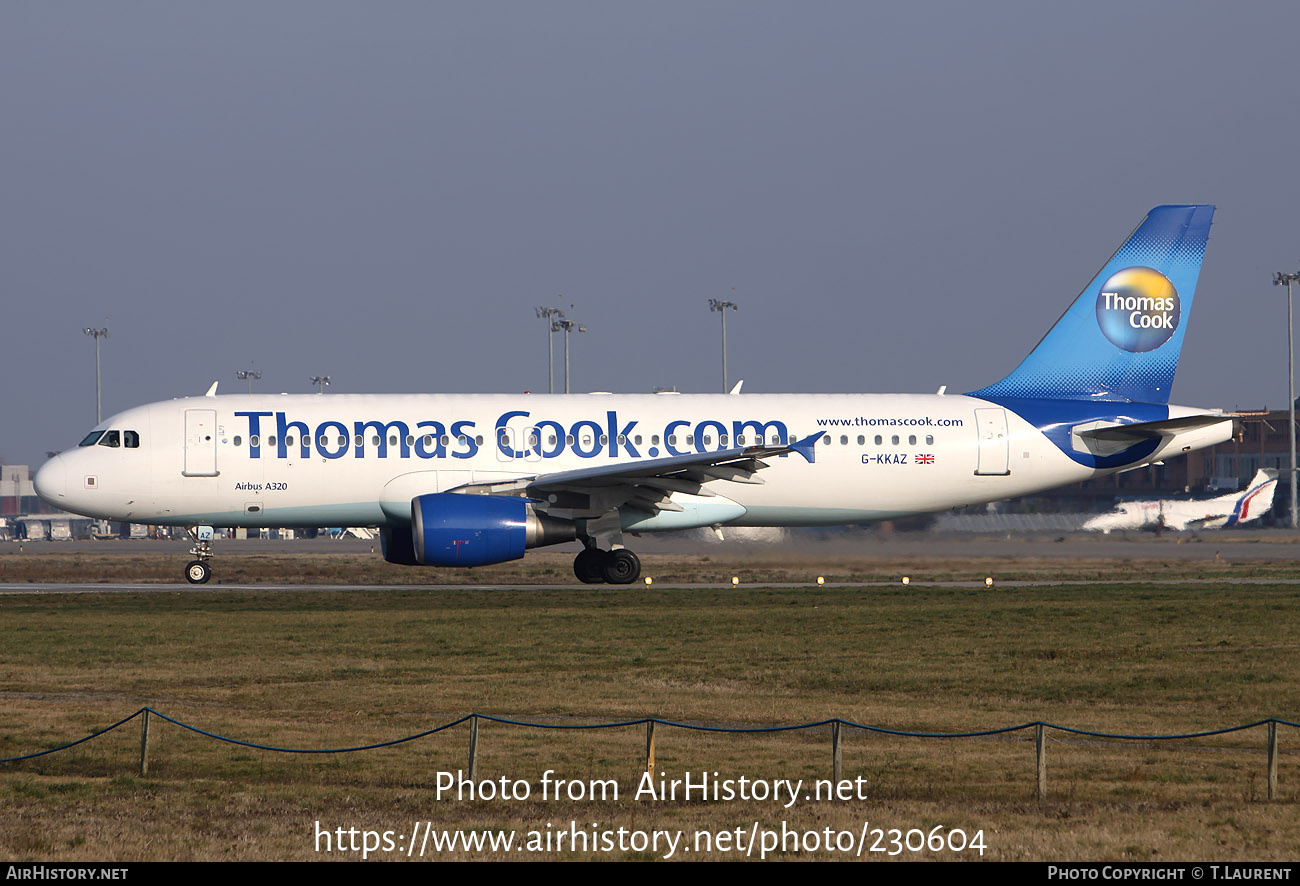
(51, 481)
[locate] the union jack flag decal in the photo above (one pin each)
(924, 459)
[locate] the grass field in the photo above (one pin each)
(328, 669)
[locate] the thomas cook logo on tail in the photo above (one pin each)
(1138, 309)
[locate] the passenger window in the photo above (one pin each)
(360, 440)
(894, 439)
(253, 440)
(238, 441)
(844, 440)
(288, 441)
(722, 441)
(445, 440)
(550, 441)
(707, 439)
(826, 439)
(929, 439)
(690, 439)
(410, 439)
(374, 440)
(740, 439)
(861, 439)
(270, 441)
(91, 439)
(428, 439)
(461, 439)
(568, 439)
(604, 438)
(912, 440)
(343, 441)
(479, 439)
(654, 440)
(879, 439)
(130, 439)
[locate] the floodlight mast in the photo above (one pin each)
(722, 307)
(549, 315)
(567, 326)
(1278, 280)
(320, 381)
(248, 375)
(98, 334)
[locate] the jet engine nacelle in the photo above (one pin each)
(454, 529)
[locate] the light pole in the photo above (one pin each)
(548, 314)
(568, 326)
(98, 334)
(722, 307)
(248, 375)
(320, 381)
(1278, 280)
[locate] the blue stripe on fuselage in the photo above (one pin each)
(1056, 418)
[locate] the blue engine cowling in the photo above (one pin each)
(451, 529)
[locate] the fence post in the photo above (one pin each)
(836, 757)
(650, 748)
(473, 745)
(1272, 759)
(144, 743)
(1040, 752)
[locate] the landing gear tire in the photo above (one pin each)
(622, 567)
(589, 566)
(198, 572)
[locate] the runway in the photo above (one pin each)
(1088, 560)
(1261, 544)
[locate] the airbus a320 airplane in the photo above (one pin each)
(467, 480)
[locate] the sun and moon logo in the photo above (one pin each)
(1138, 309)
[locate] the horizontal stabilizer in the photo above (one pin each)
(1146, 430)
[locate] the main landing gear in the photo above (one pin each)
(198, 571)
(617, 567)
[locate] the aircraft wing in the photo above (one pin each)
(645, 484)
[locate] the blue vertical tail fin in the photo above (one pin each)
(1121, 338)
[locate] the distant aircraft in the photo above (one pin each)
(467, 480)
(1214, 513)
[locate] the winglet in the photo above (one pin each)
(805, 447)
(212, 391)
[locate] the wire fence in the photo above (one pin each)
(1040, 729)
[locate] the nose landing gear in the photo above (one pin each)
(198, 571)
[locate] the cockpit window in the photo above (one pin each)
(91, 439)
(111, 438)
(130, 439)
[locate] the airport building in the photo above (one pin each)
(17, 495)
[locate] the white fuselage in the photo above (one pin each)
(345, 460)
